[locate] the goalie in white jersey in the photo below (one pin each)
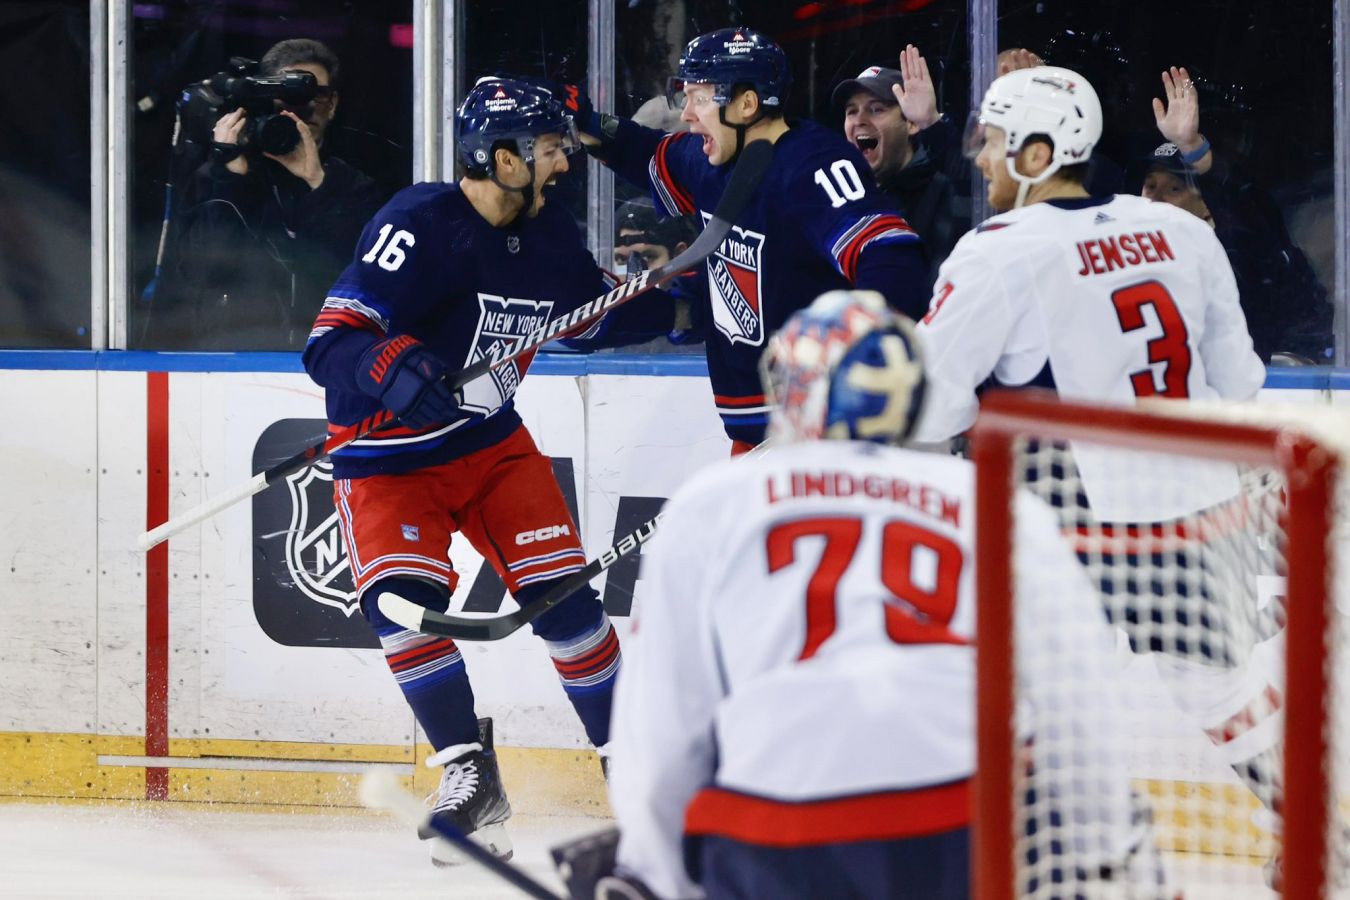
(796, 713)
(1112, 299)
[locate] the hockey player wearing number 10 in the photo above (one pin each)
(441, 274)
(799, 707)
(817, 222)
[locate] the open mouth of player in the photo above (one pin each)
(708, 144)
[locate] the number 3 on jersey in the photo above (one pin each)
(917, 614)
(1172, 348)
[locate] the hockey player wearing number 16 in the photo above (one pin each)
(817, 222)
(442, 274)
(799, 707)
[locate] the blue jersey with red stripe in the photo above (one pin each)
(816, 223)
(428, 265)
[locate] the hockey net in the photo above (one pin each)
(1210, 537)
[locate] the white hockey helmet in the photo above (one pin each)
(847, 367)
(1044, 100)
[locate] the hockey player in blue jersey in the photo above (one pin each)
(816, 223)
(441, 274)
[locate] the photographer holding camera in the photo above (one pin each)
(271, 219)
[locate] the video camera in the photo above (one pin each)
(201, 104)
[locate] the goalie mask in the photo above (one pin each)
(845, 368)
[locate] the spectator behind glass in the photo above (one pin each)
(265, 235)
(643, 240)
(1287, 309)
(891, 116)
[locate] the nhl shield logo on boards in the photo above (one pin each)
(303, 591)
(315, 554)
(734, 281)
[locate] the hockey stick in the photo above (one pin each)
(381, 790)
(754, 162)
(429, 621)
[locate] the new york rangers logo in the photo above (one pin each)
(500, 321)
(734, 281)
(316, 557)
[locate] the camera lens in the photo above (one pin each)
(275, 134)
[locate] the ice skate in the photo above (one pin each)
(470, 795)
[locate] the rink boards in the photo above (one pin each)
(241, 645)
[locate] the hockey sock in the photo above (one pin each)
(588, 664)
(1240, 712)
(430, 672)
(429, 669)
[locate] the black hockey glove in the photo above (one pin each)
(409, 381)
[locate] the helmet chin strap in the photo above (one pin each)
(740, 129)
(526, 192)
(1024, 183)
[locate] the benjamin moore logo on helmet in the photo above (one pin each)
(501, 102)
(738, 44)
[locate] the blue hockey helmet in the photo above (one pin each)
(848, 368)
(730, 57)
(508, 109)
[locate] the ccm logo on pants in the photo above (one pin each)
(547, 533)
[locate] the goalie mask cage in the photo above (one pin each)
(1237, 602)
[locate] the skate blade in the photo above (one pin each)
(492, 838)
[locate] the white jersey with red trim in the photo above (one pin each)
(801, 671)
(1101, 299)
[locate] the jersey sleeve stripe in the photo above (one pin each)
(847, 250)
(678, 201)
(348, 310)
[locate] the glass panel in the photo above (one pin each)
(1263, 77)
(826, 43)
(552, 49)
(44, 175)
(252, 244)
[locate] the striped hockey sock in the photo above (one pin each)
(588, 664)
(430, 672)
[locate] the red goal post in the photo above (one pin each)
(1310, 467)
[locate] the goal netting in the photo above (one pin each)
(1210, 537)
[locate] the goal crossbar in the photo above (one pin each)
(1311, 470)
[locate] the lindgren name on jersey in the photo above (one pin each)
(922, 497)
(734, 279)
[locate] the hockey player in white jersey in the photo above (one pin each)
(796, 713)
(1108, 300)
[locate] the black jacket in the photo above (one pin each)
(926, 197)
(258, 252)
(1287, 308)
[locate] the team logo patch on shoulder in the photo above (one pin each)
(411, 533)
(734, 280)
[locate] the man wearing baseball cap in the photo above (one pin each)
(885, 112)
(1287, 308)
